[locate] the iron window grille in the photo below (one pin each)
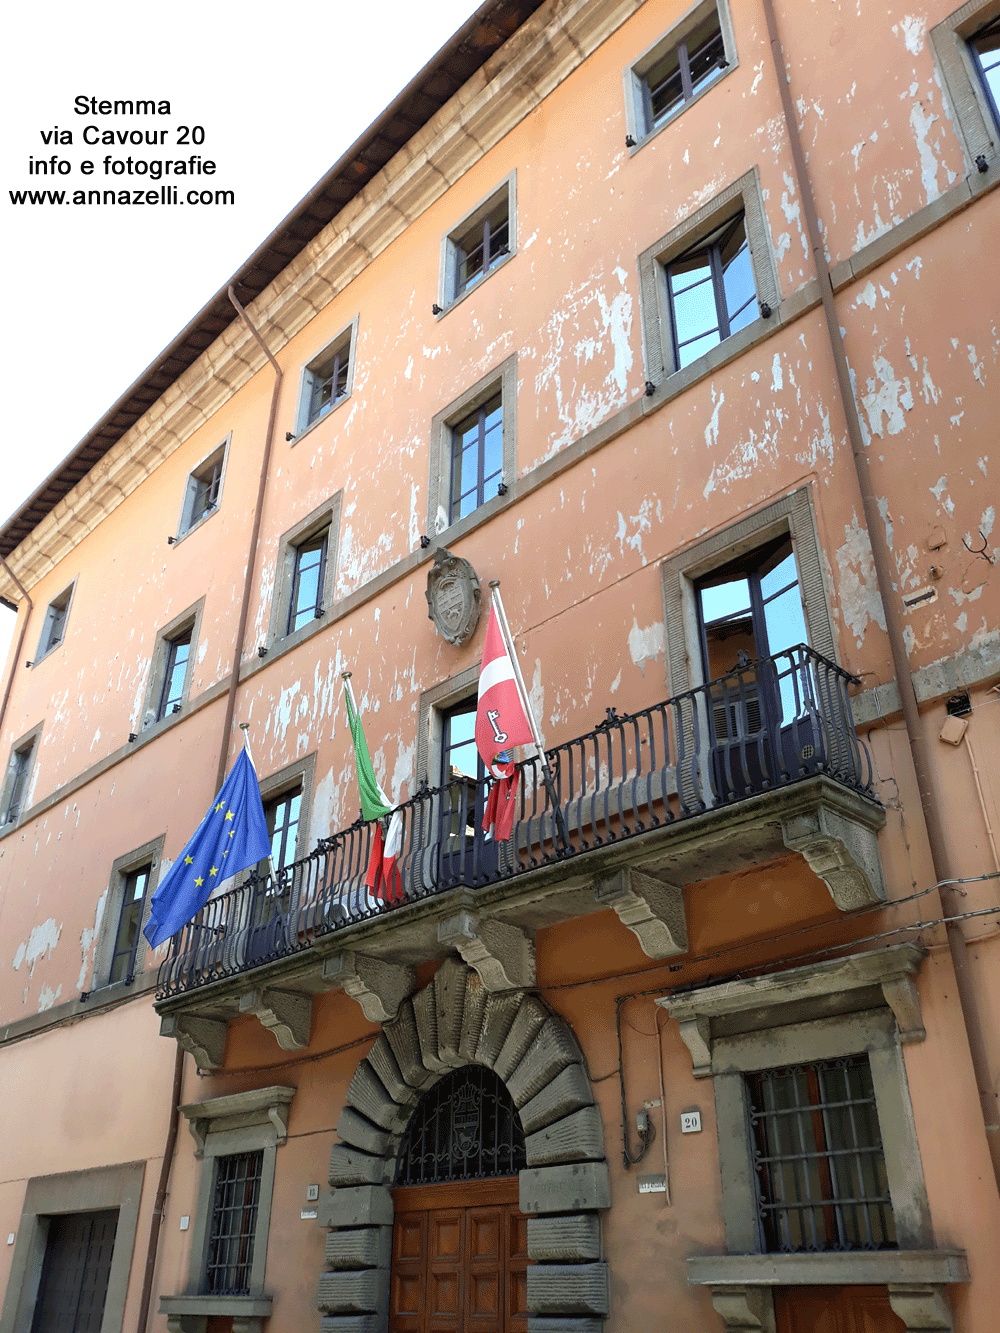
(477, 458)
(465, 1128)
(710, 290)
(329, 382)
(985, 47)
(307, 581)
(818, 1158)
(127, 935)
(683, 71)
(172, 695)
(482, 247)
(234, 1221)
(20, 768)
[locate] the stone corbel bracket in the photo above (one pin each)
(652, 909)
(891, 969)
(842, 850)
(205, 1038)
(379, 987)
(502, 954)
(288, 1014)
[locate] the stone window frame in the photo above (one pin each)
(865, 1003)
(971, 112)
(240, 1122)
(744, 193)
(634, 75)
(190, 618)
(30, 741)
(184, 525)
(792, 515)
(448, 298)
(503, 380)
(300, 773)
(73, 1192)
(150, 853)
(345, 336)
(431, 707)
(62, 601)
(324, 516)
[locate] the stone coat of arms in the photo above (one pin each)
(453, 597)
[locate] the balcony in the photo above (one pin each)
(729, 775)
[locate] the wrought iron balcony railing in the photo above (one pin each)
(764, 725)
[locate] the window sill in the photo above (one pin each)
(685, 106)
(854, 1268)
(250, 1310)
(323, 416)
(477, 286)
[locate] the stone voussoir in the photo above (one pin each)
(450, 982)
(523, 1031)
(351, 1166)
(382, 1060)
(498, 1016)
(359, 1132)
(425, 1014)
(567, 1092)
(369, 1096)
(473, 1010)
(404, 1042)
(577, 1138)
(553, 1048)
(567, 1239)
(362, 1247)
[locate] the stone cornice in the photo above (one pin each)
(538, 57)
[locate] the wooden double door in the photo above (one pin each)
(459, 1259)
(835, 1310)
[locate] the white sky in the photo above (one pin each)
(93, 294)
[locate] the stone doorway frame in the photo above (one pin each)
(454, 1021)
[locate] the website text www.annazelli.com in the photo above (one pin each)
(169, 194)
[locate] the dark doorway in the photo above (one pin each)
(75, 1272)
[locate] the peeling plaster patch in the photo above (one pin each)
(645, 645)
(859, 597)
(868, 296)
(414, 533)
(913, 33)
(883, 509)
(409, 368)
(202, 650)
(402, 773)
(783, 245)
(938, 491)
(431, 352)
(889, 401)
(97, 737)
(712, 429)
(326, 806)
(975, 363)
(792, 211)
(641, 522)
(986, 522)
(536, 694)
(981, 464)
(962, 622)
(613, 687)
(87, 937)
(48, 997)
(921, 124)
(43, 939)
(929, 389)
(777, 380)
(283, 711)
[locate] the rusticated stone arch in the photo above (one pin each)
(455, 1021)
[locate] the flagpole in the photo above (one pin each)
(245, 728)
(550, 785)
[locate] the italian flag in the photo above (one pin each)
(383, 879)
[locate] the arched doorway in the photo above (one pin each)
(459, 1245)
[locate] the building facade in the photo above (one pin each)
(680, 322)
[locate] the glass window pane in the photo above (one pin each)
(695, 314)
(705, 50)
(666, 91)
(725, 599)
(693, 350)
(786, 625)
(987, 49)
(737, 277)
(778, 578)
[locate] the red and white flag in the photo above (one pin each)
(501, 721)
(383, 879)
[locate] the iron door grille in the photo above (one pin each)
(465, 1128)
(234, 1221)
(75, 1272)
(818, 1158)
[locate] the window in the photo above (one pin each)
(204, 489)
(73, 1252)
(237, 1136)
(706, 282)
(170, 671)
(175, 674)
(234, 1223)
(54, 625)
(966, 47)
(473, 456)
(678, 69)
(282, 815)
(15, 788)
(477, 458)
(309, 567)
(327, 379)
(483, 240)
(985, 47)
(819, 1163)
(283, 810)
(130, 919)
(305, 573)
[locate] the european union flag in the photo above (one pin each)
(232, 836)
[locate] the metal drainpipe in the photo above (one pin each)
(20, 641)
(234, 679)
(161, 1192)
(893, 617)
